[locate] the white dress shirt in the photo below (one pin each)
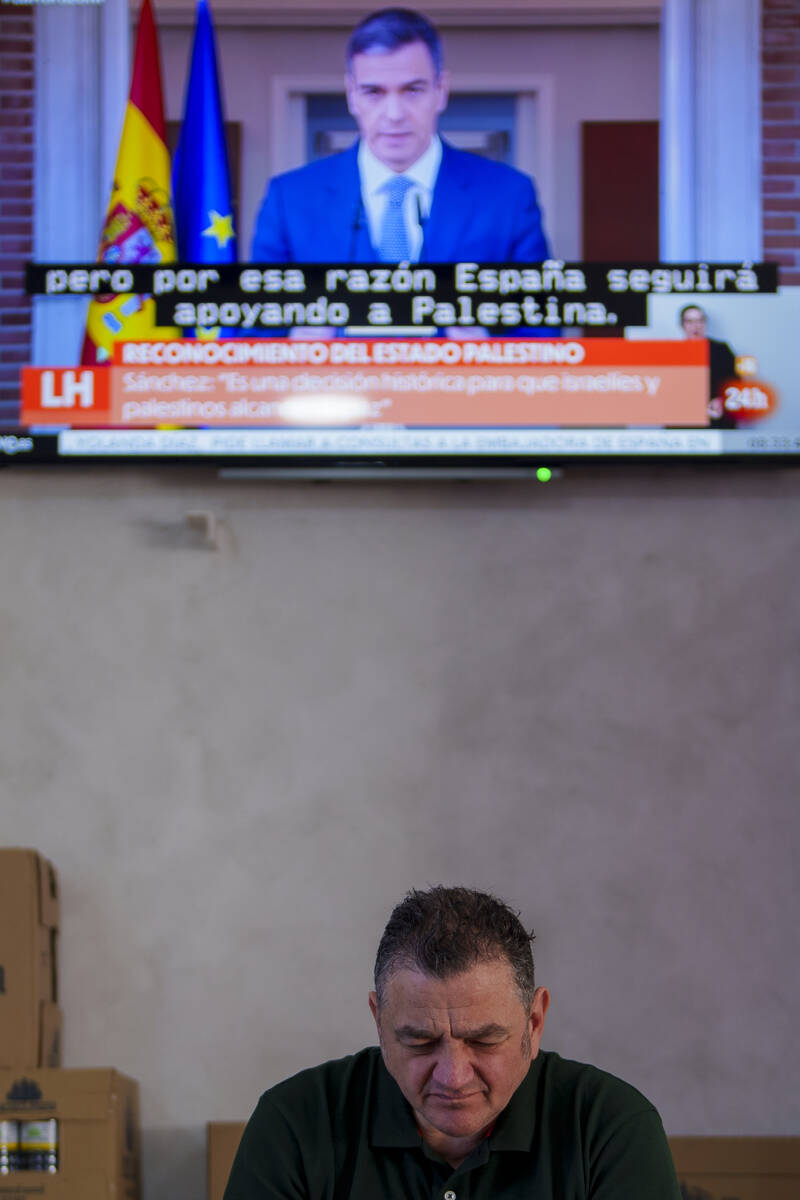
(418, 199)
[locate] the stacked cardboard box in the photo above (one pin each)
(222, 1142)
(30, 1019)
(98, 1151)
(64, 1134)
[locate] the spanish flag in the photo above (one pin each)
(139, 225)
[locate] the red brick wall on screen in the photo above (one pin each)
(780, 64)
(16, 196)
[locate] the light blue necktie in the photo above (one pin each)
(394, 245)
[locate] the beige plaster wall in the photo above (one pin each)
(583, 696)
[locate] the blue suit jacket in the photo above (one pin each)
(482, 211)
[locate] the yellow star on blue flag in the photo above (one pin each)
(221, 228)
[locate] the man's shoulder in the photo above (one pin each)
(581, 1086)
(483, 171)
(320, 172)
(293, 1142)
(329, 1084)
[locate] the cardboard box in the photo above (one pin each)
(222, 1142)
(737, 1168)
(99, 1156)
(30, 1019)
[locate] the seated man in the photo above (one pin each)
(459, 1101)
(401, 193)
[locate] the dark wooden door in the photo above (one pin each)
(620, 191)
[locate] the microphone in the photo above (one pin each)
(422, 222)
(358, 224)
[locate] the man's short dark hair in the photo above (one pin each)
(391, 28)
(447, 930)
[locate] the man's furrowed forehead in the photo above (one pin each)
(483, 994)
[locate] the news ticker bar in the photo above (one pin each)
(257, 443)
(252, 297)
(329, 443)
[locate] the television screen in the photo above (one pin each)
(470, 243)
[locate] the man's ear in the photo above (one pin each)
(541, 1003)
(443, 83)
(348, 92)
(373, 1008)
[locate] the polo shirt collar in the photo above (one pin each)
(391, 1119)
(392, 1124)
(514, 1127)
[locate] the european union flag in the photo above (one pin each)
(201, 180)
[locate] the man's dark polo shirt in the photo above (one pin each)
(344, 1131)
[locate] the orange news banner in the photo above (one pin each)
(419, 382)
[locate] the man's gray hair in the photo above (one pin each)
(446, 930)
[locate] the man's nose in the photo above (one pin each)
(394, 106)
(453, 1068)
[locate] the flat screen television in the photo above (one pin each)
(472, 348)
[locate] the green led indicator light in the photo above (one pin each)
(544, 474)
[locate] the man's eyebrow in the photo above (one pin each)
(469, 1035)
(485, 1031)
(369, 83)
(411, 1031)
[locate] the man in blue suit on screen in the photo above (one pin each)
(401, 193)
